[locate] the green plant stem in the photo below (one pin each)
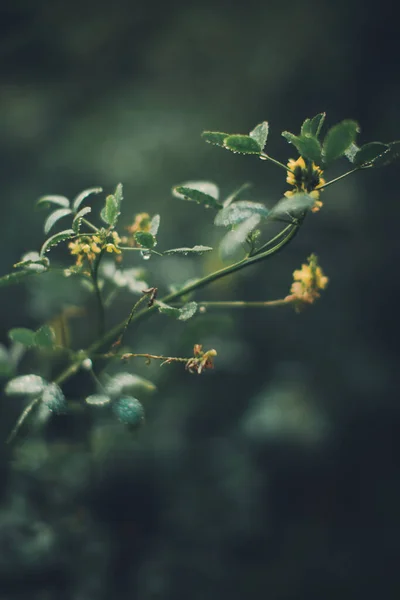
(323, 186)
(276, 162)
(90, 225)
(24, 415)
(121, 327)
(109, 336)
(242, 304)
(281, 234)
(99, 299)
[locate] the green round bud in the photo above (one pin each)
(129, 411)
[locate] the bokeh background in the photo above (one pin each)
(277, 474)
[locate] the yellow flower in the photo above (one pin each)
(305, 178)
(112, 248)
(308, 281)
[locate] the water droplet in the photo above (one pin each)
(146, 254)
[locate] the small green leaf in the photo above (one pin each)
(391, 154)
(30, 385)
(338, 139)
(369, 153)
(155, 224)
(132, 278)
(260, 134)
(238, 212)
(32, 261)
(188, 193)
(23, 336)
(56, 239)
(123, 383)
(313, 126)
(145, 239)
(12, 278)
(236, 194)
(53, 398)
(291, 207)
(98, 400)
(45, 337)
(110, 212)
(206, 187)
(129, 411)
(46, 201)
(77, 222)
(81, 197)
(54, 217)
(182, 314)
(187, 311)
(118, 194)
(234, 239)
(242, 144)
(307, 146)
(351, 152)
(214, 137)
(186, 251)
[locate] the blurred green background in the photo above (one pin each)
(276, 475)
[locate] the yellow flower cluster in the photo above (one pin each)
(308, 281)
(305, 178)
(87, 247)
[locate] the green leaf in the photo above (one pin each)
(110, 212)
(238, 212)
(98, 400)
(45, 337)
(118, 194)
(77, 222)
(291, 207)
(313, 126)
(234, 239)
(351, 152)
(369, 153)
(123, 383)
(53, 398)
(187, 311)
(214, 137)
(32, 261)
(236, 194)
(207, 187)
(23, 336)
(145, 239)
(12, 278)
(186, 251)
(338, 139)
(182, 314)
(391, 154)
(54, 217)
(155, 224)
(81, 197)
(46, 201)
(260, 134)
(129, 411)
(188, 193)
(30, 385)
(132, 278)
(307, 146)
(242, 144)
(56, 239)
